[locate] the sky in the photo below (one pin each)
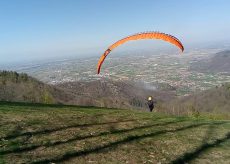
(31, 30)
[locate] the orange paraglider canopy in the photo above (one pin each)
(146, 35)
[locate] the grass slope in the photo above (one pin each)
(70, 134)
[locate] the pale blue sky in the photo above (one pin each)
(37, 29)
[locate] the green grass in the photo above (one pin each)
(36, 133)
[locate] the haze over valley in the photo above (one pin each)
(180, 72)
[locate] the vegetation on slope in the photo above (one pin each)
(68, 134)
(215, 101)
(113, 94)
(20, 87)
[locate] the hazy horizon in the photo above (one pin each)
(40, 30)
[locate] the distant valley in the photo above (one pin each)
(186, 73)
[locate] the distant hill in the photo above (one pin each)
(215, 100)
(104, 93)
(23, 88)
(220, 62)
(113, 94)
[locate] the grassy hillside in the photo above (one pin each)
(33, 133)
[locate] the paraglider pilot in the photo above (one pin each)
(151, 103)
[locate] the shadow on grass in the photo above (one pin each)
(29, 104)
(46, 131)
(114, 131)
(72, 154)
(189, 156)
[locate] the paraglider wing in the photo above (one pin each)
(147, 35)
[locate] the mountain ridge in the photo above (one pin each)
(218, 63)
